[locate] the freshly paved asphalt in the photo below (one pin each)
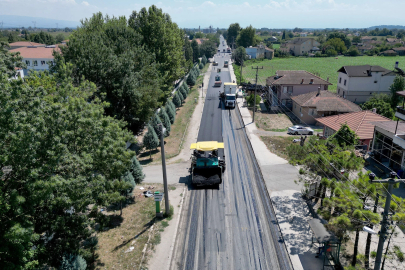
(231, 227)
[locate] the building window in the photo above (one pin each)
(35, 63)
(345, 82)
(340, 80)
(28, 63)
(42, 63)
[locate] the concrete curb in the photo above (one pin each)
(169, 263)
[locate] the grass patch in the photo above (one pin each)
(132, 230)
(271, 122)
(324, 67)
(172, 188)
(399, 253)
(178, 129)
(278, 144)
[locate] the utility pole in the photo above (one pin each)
(254, 107)
(385, 222)
(162, 149)
(368, 242)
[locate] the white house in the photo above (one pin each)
(256, 52)
(359, 83)
(36, 58)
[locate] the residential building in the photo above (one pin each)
(268, 53)
(388, 53)
(393, 41)
(256, 52)
(288, 83)
(388, 144)
(364, 47)
(399, 50)
(310, 106)
(37, 58)
(303, 34)
(301, 46)
(359, 83)
(20, 44)
(359, 122)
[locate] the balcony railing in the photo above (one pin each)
(401, 110)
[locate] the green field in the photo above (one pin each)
(323, 67)
(276, 46)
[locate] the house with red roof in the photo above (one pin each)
(20, 44)
(313, 105)
(37, 58)
(359, 122)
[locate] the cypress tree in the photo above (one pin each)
(129, 178)
(172, 106)
(201, 66)
(156, 121)
(183, 92)
(187, 88)
(191, 79)
(165, 120)
(136, 170)
(150, 140)
(170, 113)
(180, 96)
(176, 100)
(73, 262)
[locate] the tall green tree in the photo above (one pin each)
(59, 38)
(283, 36)
(191, 78)
(381, 103)
(239, 55)
(72, 262)
(345, 136)
(165, 120)
(150, 140)
(188, 53)
(11, 38)
(162, 38)
(9, 62)
(183, 92)
(208, 49)
(397, 85)
(63, 155)
(233, 32)
(196, 50)
(247, 37)
(155, 123)
(136, 170)
(337, 43)
(341, 36)
(112, 55)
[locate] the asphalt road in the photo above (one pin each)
(231, 227)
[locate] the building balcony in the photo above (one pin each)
(399, 140)
(400, 113)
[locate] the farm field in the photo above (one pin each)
(323, 67)
(276, 46)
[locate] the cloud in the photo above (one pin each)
(84, 3)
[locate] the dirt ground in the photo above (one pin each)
(271, 121)
(278, 144)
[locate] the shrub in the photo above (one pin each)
(165, 120)
(73, 262)
(156, 121)
(183, 92)
(150, 140)
(191, 79)
(170, 112)
(136, 170)
(201, 66)
(176, 100)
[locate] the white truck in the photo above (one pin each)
(229, 95)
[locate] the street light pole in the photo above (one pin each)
(162, 148)
(385, 222)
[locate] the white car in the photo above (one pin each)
(300, 130)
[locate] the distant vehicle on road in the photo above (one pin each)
(223, 50)
(226, 64)
(218, 82)
(300, 130)
(215, 63)
(228, 50)
(219, 50)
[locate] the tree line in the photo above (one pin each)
(64, 133)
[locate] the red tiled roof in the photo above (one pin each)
(359, 122)
(325, 101)
(37, 52)
(25, 44)
(295, 77)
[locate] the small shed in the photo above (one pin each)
(325, 238)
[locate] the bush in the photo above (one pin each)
(191, 79)
(136, 170)
(176, 100)
(156, 121)
(150, 140)
(183, 92)
(201, 66)
(172, 106)
(73, 262)
(186, 88)
(251, 98)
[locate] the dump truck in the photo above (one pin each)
(225, 63)
(218, 82)
(207, 165)
(229, 96)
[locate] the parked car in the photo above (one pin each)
(300, 130)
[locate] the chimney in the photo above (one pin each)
(396, 64)
(319, 90)
(374, 109)
(302, 81)
(312, 81)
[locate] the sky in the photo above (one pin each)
(259, 13)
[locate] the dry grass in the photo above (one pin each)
(133, 229)
(278, 144)
(271, 121)
(178, 129)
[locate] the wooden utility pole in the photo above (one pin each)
(254, 107)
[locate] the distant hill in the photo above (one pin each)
(12, 21)
(387, 26)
